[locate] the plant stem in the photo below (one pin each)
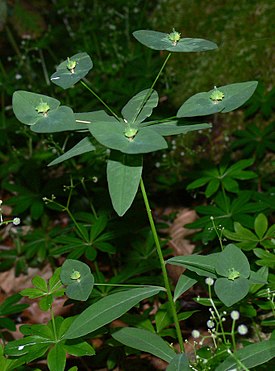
(217, 313)
(98, 97)
(151, 88)
(233, 335)
(53, 323)
(163, 267)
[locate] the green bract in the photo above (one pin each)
(44, 114)
(172, 42)
(230, 269)
(225, 99)
(72, 70)
(78, 278)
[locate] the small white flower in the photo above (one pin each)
(242, 330)
(196, 334)
(18, 76)
(209, 281)
(16, 221)
(235, 315)
(210, 324)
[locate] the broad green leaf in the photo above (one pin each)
(42, 331)
(186, 314)
(235, 95)
(123, 176)
(230, 185)
(32, 293)
(145, 341)
(173, 128)
(251, 356)
(245, 233)
(232, 258)
(24, 105)
(271, 232)
(236, 169)
(200, 105)
(198, 182)
(40, 283)
(112, 135)
(202, 265)
(179, 363)
(140, 107)
(212, 187)
(259, 278)
(62, 119)
(78, 278)
(230, 292)
(57, 358)
(163, 317)
(27, 345)
(184, 283)
(78, 348)
(160, 41)
(261, 225)
(108, 309)
(81, 147)
(66, 77)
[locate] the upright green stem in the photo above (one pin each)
(53, 323)
(163, 267)
(98, 97)
(233, 336)
(152, 87)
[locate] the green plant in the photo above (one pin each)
(129, 138)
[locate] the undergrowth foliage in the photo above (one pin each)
(235, 285)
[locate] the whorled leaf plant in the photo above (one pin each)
(129, 137)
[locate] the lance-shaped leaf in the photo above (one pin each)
(250, 356)
(163, 41)
(108, 309)
(184, 283)
(123, 175)
(81, 147)
(28, 345)
(173, 128)
(145, 341)
(72, 70)
(202, 265)
(179, 363)
(140, 107)
(231, 97)
(56, 358)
